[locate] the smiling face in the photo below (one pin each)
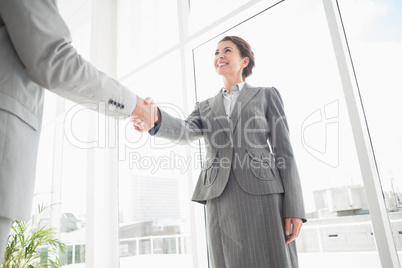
(228, 61)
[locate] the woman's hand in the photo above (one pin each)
(292, 233)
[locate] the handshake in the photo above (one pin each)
(145, 115)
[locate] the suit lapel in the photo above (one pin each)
(246, 94)
(218, 109)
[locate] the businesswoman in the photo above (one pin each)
(249, 181)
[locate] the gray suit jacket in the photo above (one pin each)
(35, 53)
(255, 145)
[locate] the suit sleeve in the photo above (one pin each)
(177, 130)
(43, 44)
(281, 146)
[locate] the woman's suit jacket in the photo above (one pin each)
(35, 53)
(242, 145)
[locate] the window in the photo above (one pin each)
(294, 53)
(158, 224)
(146, 28)
(155, 180)
(373, 31)
(203, 13)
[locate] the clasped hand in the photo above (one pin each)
(144, 115)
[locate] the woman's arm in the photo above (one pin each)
(174, 129)
(281, 146)
(180, 131)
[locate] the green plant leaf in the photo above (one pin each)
(27, 241)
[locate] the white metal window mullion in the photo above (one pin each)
(379, 216)
(197, 230)
(102, 240)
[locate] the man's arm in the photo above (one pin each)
(43, 44)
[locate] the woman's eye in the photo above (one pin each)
(227, 50)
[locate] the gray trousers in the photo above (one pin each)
(247, 231)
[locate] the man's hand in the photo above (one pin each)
(143, 113)
(142, 123)
(296, 223)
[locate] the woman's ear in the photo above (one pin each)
(246, 61)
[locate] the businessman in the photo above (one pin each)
(36, 54)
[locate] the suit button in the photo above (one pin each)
(110, 101)
(122, 106)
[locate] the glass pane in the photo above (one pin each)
(205, 12)
(74, 164)
(145, 29)
(294, 53)
(374, 33)
(154, 198)
(79, 253)
(67, 257)
(73, 182)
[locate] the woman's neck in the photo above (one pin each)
(229, 83)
